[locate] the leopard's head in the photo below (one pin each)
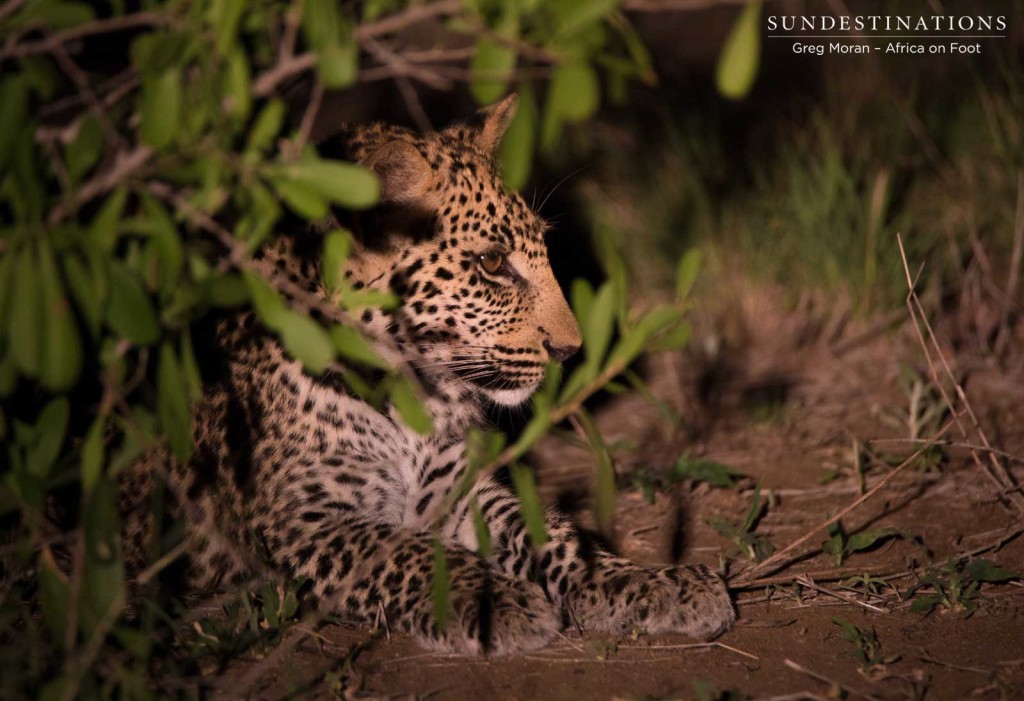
(467, 258)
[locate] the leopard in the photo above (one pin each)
(298, 473)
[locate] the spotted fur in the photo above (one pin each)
(294, 470)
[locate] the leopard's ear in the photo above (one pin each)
(494, 120)
(406, 178)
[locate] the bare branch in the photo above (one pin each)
(125, 165)
(104, 26)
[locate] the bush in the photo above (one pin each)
(135, 192)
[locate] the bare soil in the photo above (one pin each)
(792, 408)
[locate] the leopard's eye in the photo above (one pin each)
(493, 262)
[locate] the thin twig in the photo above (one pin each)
(102, 26)
(993, 468)
(309, 118)
(954, 444)
(267, 82)
(125, 165)
(826, 680)
(404, 68)
(806, 581)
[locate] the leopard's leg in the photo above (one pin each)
(372, 570)
(596, 589)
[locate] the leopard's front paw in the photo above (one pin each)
(685, 599)
(496, 615)
(690, 599)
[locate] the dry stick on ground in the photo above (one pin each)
(993, 468)
(836, 686)
(955, 444)
(806, 581)
(786, 555)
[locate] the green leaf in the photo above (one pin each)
(54, 595)
(302, 198)
(676, 339)
(482, 447)
(8, 264)
(925, 603)
(54, 14)
(491, 69)
(483, 533)
(161, 108)
(584, 373)
(529, 505)
(737, 64)
(572, 15)
(337, 244)
(8, 377)
(190, 367)
(582, 295)
(338, 64)
(237, 85)
(14, 97)
(834, 546)
(223, 17)
(351, 345)
(535, 429)
(987, 571)
(686, 273)
(439, 586)
(130, 311)
(105, 226)
(573, 95)
(307, 341)
(103, 586)
(164, 235)
(268, 304)
(597, 329)
(172, 403)
(754, 511)
(518, 144)
(342, 183)
(86, 290)
(714, 473)
(48, 437)
(93, 454)
(850, 631)
(267, 126)
(82, 153)
(409, 406)
(227, 291)
(25, 331)
(866, 539)
(62, 349)
(636, 339)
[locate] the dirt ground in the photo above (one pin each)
(806, 394)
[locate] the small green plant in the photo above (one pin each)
(251, 622)
(651, 480)
(866, 646)
(748, 541)
(841, 546)
(867, 583)
(956, 585)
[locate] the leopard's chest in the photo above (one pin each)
(325, 444)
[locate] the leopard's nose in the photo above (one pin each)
(560, 353)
